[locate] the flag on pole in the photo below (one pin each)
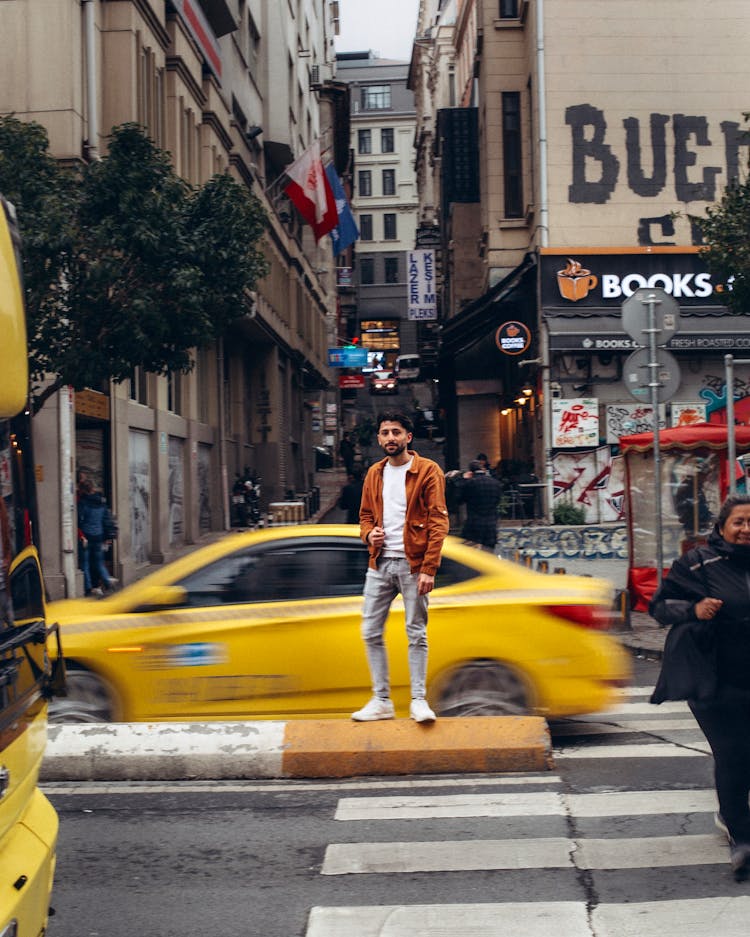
(346, 231)
(310, 191)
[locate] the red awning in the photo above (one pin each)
(697, 436)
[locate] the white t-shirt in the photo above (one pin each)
(394, 508)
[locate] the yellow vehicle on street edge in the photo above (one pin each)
(266, 625)
(28, 822)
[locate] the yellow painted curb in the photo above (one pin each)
(334, 748)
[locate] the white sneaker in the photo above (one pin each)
(376, 709)
(420, 711)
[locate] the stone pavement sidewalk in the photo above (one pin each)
(645, 637)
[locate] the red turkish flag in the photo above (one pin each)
(311, 193)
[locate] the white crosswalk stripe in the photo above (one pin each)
(548, 816)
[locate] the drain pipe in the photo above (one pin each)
(92, 88)
(543, 229)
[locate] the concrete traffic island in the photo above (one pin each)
(328, 748)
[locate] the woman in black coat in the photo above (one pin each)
(711, 583)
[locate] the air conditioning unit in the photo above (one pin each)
(319, 75)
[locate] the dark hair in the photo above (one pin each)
(476, 465)
(395, 416)
(729, 505)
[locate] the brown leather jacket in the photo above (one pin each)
(426, 522)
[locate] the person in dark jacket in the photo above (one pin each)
(93, 521)
(711, 583)
(351, 496)
(481, 494)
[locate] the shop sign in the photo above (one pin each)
(575, 422)
(354, 357)
(351, 380)
(576, 280)
(684, 341)
(513, 338)
(422, 292)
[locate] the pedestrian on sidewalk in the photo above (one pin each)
(6, 555)
(481, 494)
(347, 452)
(95, 523)
(351, 495)
(711, 584)
(403, 520)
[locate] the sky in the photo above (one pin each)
(385, 26)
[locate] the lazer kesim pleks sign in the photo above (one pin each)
(422, 293)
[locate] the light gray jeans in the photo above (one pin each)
(381, 588)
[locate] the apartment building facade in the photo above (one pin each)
(603, 131)
(384, 200)
(242, 86)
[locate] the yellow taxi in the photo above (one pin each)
(266, 625)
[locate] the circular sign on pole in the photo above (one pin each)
(635, 315)
(513, 338)
(637, 375)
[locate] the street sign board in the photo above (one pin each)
(637, 375)
(635, 315)
(420, 266)
(354, 357)
(351, 380)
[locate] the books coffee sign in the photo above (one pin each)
(513, 338)
(575, 422)
(422, 294)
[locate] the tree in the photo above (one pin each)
(726, 232)
(126, 264)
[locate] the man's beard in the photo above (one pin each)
(400, 447)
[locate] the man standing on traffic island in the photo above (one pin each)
(403, 520)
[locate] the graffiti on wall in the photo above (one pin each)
(626, 418)
(714, 392)
(593, 480)
(670, 155)
(550, 543)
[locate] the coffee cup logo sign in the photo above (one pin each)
(575, 282)
(513, 338)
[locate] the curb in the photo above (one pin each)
(329, 748)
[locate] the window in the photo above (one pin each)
(375, 97)
(391, 269)
(291, 571)
(389, 226)
(512, 169)
(367, 271)
(365, 227)
(365, 182)
(364, 141)
(389, 182)
(139, 386)
(508, 9)
(386, 140)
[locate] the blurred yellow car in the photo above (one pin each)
(266, 625)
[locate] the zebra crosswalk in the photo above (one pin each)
(646, 862)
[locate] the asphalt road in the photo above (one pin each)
(254, 858)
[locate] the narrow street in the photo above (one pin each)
(630, 791)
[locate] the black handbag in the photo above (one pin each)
(689, 668)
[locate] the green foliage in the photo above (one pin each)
(726, 232)
(125, 264)
(568, 514)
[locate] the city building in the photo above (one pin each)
(603, 131)
(384, 200)
(243, 86)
